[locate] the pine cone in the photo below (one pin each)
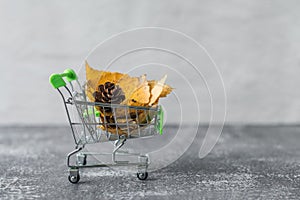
(109, 93)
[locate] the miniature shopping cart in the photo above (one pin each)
(89, 125)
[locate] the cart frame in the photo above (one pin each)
(92, 133)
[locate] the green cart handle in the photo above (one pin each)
(161, 121)
(57, 81)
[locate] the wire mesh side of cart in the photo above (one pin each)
(93, 122)
(97, 122)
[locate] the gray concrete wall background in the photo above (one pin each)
(254, 43)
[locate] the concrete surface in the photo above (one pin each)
(249, 162)
(255, 44)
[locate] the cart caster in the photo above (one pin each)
(74, 179)
(81, 159)
(74, 176)
(142, 176)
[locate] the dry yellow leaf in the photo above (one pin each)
(157, 90)
(128, 85)
(92, 76)
(141, 95)
(166, 88)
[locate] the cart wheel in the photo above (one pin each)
(74, 179)
(142, 176)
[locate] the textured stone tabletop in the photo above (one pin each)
(249, 162)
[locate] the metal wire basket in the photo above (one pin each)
(113, 122)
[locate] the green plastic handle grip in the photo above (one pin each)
(90, 111)
(57, 81)
(161, 120)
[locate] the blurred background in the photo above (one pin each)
(254, 43)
